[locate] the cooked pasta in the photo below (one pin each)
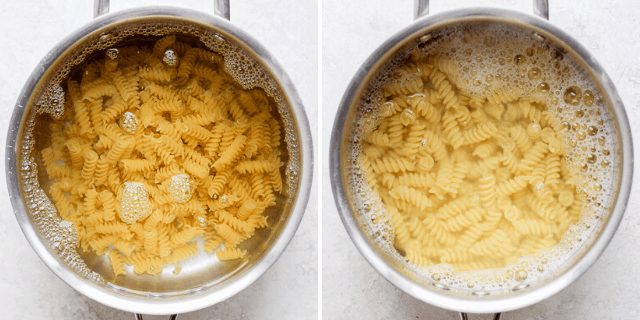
(465, 181)
(160, 147)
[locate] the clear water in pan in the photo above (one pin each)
(47, 104)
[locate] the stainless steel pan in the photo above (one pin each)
(408, 279)
(204, 280)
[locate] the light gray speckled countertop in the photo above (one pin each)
(352, 289)
(28, 289)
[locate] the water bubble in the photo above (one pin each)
(112, 53)
(519, 59)
(588, 98)
(572, 95)
(592, 131)
(509, 274)
(530, 52)
(534, 74)
(170, 58)
(129, 122)
(601, 141)
(134, 203)
(544, 87)
(520, 275)
(180, 188)
(581, 135)
(584, 167)
(591, 158)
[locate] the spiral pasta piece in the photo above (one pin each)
(452, 130)
(445, 89)
(230, 254)
(481, 132)
(533, 156)
(117, 262)
(392, 164)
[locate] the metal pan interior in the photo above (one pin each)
(372, 239)
(203, 279)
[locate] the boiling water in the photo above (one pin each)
(493, 58)
(48, 103)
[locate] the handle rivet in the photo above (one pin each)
(440, 286)
(538, 37)
(105, 37)
(425, 37)
(481, 293)
(521, 287)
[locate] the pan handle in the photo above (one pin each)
(421, 8)
(220, 8)
(463, 316)
(171, 317)
(541, 8)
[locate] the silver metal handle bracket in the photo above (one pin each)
(220, 8)
(463, 316)
(171, 317)
(100, 7)
(541, 8)
(421, 8)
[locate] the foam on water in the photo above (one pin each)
(493, 58)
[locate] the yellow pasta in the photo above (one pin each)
(162, 149)
(472, 187)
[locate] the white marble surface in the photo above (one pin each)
(28, 289)
(352, 289)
